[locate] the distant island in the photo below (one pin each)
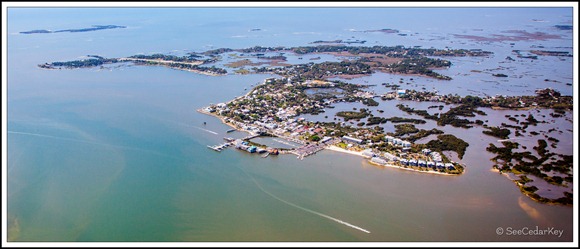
(563, 27)
(93, 28)
(387, 31)
(340, 41)
(392, 59)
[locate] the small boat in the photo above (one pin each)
(204, 123)
(265, 155)
(232, 130)
(215, 148)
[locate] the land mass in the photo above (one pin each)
(93, 28)
(272, 108)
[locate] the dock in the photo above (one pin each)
(307, 150)
(219, 147)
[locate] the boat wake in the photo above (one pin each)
(87, 142)
(212, 132)
(303, 208)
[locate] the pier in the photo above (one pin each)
(307, 150)
(220, 147)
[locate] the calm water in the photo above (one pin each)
(120, 154)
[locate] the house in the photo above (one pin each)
(449, 166)
(401, 93)
(397, 141)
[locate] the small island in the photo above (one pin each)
(93, 28)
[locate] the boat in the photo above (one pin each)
(265, 155)
(231, 130)
(215, 148)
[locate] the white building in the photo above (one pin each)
(351, 139)
(390, 156)
(368, 153)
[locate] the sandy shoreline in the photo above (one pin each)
(414, 170)
(220, 118)
(338, 149)
(168, 64)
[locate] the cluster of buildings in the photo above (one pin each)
(425, 162)
(272, 108)
(427, 159)
(244, 145)
(406, 145)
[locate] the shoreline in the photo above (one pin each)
(338, 149)
(526, 193)
(166, 63)
(220, 118)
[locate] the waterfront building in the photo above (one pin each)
(436, 156)
(431, 164)
(368, 153)
(390, 156)
(449, 166)
(378, 160)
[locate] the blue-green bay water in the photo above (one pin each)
(120, 154)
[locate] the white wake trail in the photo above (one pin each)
(213, 132)
(86, 142)
(303, 208)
